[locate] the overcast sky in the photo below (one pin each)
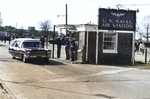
(30, 12)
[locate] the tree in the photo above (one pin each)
(2, 28)
(9, 29)
(21, 31)
(144, 31)
(45, 26)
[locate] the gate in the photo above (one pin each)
(142, 57)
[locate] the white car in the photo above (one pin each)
(28, 48)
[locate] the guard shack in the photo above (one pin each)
(110, 42)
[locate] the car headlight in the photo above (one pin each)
(27, 52)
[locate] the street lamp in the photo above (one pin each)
(65, 16)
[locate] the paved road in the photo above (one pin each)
(63, 80)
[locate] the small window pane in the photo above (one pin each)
(109, 42)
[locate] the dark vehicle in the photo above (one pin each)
(28, 48)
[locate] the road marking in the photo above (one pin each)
(113, 71)
(46, 70)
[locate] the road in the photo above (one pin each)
(64, 80)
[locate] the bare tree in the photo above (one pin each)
(45, 26)
(9, 29)
(145, 32)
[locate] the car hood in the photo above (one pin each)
(34, 48)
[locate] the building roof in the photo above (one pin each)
(78, 27)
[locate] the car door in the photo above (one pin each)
(12, 48)
(16, 49)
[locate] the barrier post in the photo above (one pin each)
(145, 56)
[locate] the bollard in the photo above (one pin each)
(145, 56)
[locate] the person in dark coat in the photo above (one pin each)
(67, 48)
(73, 50)
(13, 36)
(32, 36)
(58, 41)
(9, 38)
(136, 47)
(42, 40)
(16, 36)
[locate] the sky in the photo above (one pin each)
(24, 13)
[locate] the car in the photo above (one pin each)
(28, 48)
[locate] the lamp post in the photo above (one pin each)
(65, 16)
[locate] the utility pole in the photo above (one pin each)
(16, 29)
(66, 20)
(66, 17)
(66, 14)
(53, 42)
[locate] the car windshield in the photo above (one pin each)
(31, 44)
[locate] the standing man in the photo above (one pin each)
(9, 37)
(67, 48)
(16, 36)
(13, 36)
(42, 40)
(58, 41)
(32, 36)
(73, 50)
(142, 47)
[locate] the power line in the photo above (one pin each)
(121, 5)
(134, 4)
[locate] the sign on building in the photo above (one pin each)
(113, 19)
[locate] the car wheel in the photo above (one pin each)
(25, 60)
(13, 57)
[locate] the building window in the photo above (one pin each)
(110, 43)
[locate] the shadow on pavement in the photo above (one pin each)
(41, 62)
(62, 90)
(2, 45)
(138, 63)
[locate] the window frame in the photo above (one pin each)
(16, 43)
(115, 50)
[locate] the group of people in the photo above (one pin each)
(6, 37)
(70, 48)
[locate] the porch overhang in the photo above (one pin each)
(64, 26)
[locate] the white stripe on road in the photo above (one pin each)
(46, 70)
(113, 71)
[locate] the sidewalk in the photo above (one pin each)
(3, 43)
(63, 54)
